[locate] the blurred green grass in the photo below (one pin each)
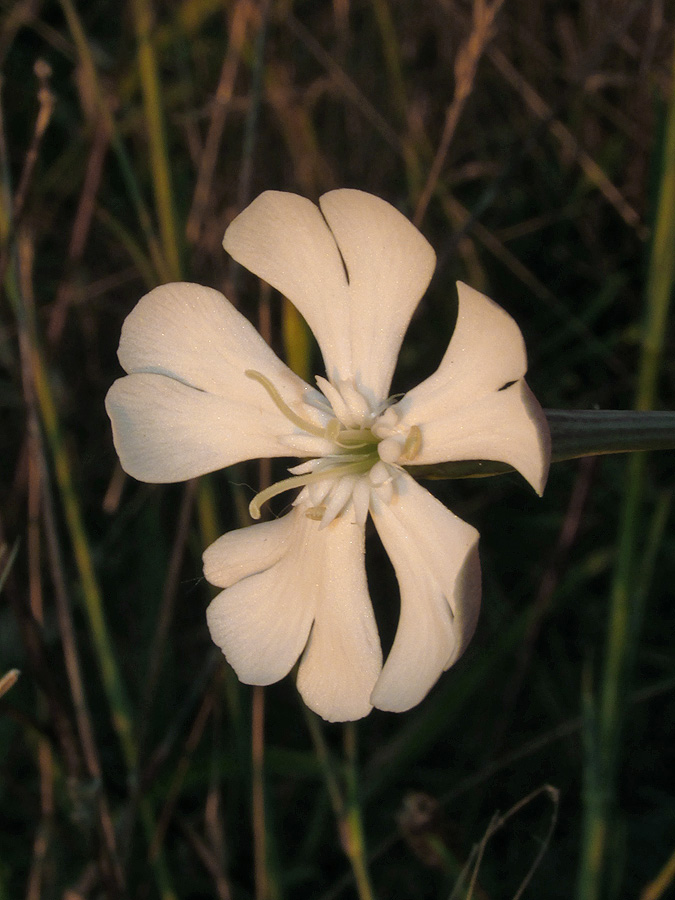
(550, 180)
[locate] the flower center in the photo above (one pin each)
(355, 452)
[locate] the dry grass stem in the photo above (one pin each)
(466, 64)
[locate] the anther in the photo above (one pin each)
(315, 513)
(413, 444)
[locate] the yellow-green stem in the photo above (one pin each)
(159, 155)
(120, 706)
(353, 830)
(90, 74)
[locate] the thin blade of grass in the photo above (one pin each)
(626, 601)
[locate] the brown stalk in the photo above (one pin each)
(208, 860)
(568, 142)
(81, 226)
(41, 668)
(110, 862)
(547, 586)
(42, 838)
(66, 627)
(168, 603)
(243, 13)
(19, 16)
(17, 203)
(466, 64)
(46, 108)
(344, 83)
(294, 114)
(213, 820)
(191, 744)
(157, 655)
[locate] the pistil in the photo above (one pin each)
(354, 465)
(356, 451)
(279, 402)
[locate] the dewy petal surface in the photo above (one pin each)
(262, 622)
(435, 557)
(486, 351)
(389, 264)
(342, 661)
(356, 275)
(507, 426)
(187, 406)
(297, 576)
(461, 409)
(244, 552)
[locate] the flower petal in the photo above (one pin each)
(244, 552)
(194, 334)
(342, 661)
(485, 353)
(165, 431)
(293, 574)
(188, 406)
(435, 556)
(389, 265)
(283, 238)
(507, 426)
(355, 275)
(261, 623)
(465, 410)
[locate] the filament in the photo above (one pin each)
(309, 427)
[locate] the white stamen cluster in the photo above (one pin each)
(366, 451)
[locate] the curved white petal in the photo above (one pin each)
(435, 556)
(261, 623)
(355, 269)
(187, 406)
(486, 352)
(283, 238)
(505, 426)
(244, 552)
(465, 411)
(194, 334)
(165, 431)
(293, 574)
(389, 265)
(342, 661)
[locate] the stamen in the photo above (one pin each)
(413, 443)
(356, 466)
(309, 427)
(315, 513)
(333, 430)
(356, 439)
(358, 444)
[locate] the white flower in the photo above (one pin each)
(205, 391)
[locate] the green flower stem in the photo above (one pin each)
(577, 433)
(606, 714)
